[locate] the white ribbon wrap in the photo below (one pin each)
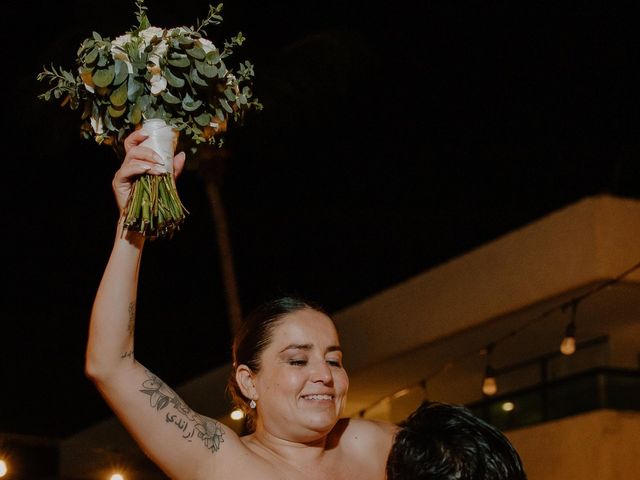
(162, 139)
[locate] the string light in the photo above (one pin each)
(3, 468)
(237, 414)
(489, 383)
(568, 344)
(508, 406)
(116, 476)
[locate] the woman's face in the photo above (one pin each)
(301, 385)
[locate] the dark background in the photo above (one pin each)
(394, 137)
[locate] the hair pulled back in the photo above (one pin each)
(251, 339)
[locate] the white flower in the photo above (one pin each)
(148, 33)
(96, 124)
(158, 84)
(206, 45)
(158, 52)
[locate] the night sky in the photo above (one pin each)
(393, 138)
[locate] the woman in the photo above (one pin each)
(287, 374)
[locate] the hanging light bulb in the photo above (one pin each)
(3, 468)
(568, 344)
(237, 414)
(489, 385)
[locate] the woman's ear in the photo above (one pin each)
(244, 377)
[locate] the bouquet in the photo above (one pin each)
(167, 81)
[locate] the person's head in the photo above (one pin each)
(287, 359)
(447, 442)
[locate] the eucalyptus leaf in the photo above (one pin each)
(97, 36)
(180, 62)
(134, 88)
(135, 115)
(168, 97)
(116, 112)
(195, 78)
(173, 80)
(119, 96)
(91, 57)
(228, 92)
(225, 105)
(203, 119)
(121, 72)
(191, 105)
(103, 59)
(196, 52)
(208, 71)
(104, 76)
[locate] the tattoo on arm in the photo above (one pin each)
(190, 423)
(128, 354)
(132, 318)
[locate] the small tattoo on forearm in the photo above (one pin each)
(190, 423)
(132, 317)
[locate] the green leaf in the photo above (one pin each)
(203, 119)
(119, 95)
(196, 78)
(168, 97)
(116, 112)
(103, 59)
(173, 80)
(91, 57)
(68, 77)
(209, 71)
(96, 36)
(189, 104)
(196, 52)
(135, 115)
(225, 105)
(134, 88)
(213, 57)
(220, 114)
(121, 72)
(229, 94)
(180, 62)
(104, 76)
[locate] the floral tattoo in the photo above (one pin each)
(186, 420)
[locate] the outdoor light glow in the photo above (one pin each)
(568, 345)
(117, 476)
(3, 468)
(237, 414)
(489, 386)
(508, 406)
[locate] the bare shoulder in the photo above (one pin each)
(369, 435)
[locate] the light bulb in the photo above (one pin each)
(116, 476)
(3, 468)
(237, 414)
(489, 385)
(508, 406)
(568, 345)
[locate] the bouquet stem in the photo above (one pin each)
(154, 208)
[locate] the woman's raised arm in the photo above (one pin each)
(183, 443)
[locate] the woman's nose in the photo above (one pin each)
(322, 373)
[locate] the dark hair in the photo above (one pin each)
(253, 336)
(446, 442)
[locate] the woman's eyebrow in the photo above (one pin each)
(309, 346)
(296, 346)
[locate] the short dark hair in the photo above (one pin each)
(447, 442)
(253, 336)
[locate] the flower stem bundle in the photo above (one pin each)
(154, 208)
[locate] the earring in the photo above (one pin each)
(252, 403)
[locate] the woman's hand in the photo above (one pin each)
(139, 160)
